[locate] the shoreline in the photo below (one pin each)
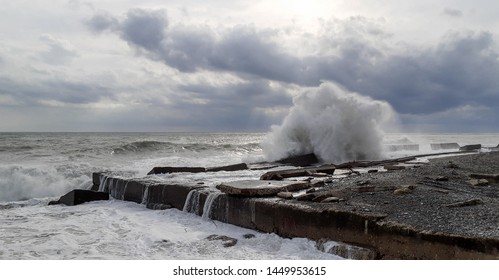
(417, 210)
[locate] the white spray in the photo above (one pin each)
(336, 125)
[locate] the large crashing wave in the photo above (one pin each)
(335, 125)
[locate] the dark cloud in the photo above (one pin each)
(356, 52)
(101, 22)
(452, 12)
(145, 29)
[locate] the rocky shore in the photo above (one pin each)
(411, 208)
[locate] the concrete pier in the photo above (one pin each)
(400, 214)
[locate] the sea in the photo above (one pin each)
(36, 168)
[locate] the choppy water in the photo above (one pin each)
(36, 167)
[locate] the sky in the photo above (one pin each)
(229, 66)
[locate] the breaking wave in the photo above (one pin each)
(23, 182)
(336, 125)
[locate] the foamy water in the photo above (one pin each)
(37, 167)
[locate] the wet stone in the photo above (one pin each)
(331, 199)
(251, 188)
(226, 240)
(285, 195)
(478, 182)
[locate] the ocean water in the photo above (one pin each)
(38, 167)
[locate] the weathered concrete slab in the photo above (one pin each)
(233, 167)
(302, 160)
(444, 146)
(251, 188)
(165, 170)
(300, 172)
(471, 148)
(76, 197)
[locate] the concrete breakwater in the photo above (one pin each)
(367, 212)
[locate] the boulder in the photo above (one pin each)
(285, 195)
(470, 148)
(404, 190)
(226, 240)
(76, 197)
(250, 188)
(478, 182)
(301, 160)
(489, 177)
(164, 170)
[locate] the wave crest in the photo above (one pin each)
(332, 123)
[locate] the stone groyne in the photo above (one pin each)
(402, 213)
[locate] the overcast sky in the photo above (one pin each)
(70, 65)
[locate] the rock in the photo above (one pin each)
(441, 178)
(363, 183)
(372, 171)
(404, 190)
(250, 188)
(302, 160)
(452, 165)
(444, 146)
(489, 177)
(285, 195)
(471, 202)
(331, 199)
(470, 148)
(54, 202)
(312, 190)
(227, 241)
(305, 197)
(233, 167)
(164, 170)
(158, 206)
(76, 197)
(249, 236)
(478, 182)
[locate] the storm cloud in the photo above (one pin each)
(460, 70)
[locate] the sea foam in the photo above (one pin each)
(333, 123)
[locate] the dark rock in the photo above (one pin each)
(234, 167)
(76, 197)
(249, 236)
(452, 165)
(489, 177)
(261, 187)
(372, 171)
(54, 202)
(285, 195)
(226, 241)
(471, 202)
(158, 206)
(164, 170)
(302, 160)
(441, 178)
(470, 148)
